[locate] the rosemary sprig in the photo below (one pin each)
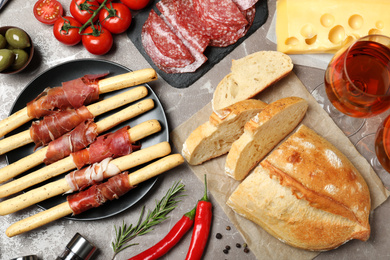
(125, 234)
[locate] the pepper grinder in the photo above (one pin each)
(78, 248)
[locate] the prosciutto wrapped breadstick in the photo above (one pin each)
(73, 205)
(81, 179)
(58, 148)
(53, 126)
(111, 145)
(74, 94)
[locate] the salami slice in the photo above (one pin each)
(172, 52)
(55, 125)
(220, 16)
(180, 14)
(232, 37)
(79, 138)
(245, 4)
(98, 194)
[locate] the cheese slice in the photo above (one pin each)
(324, 26)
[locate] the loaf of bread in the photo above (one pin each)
(249, 76)
(215, 137)
(307, 194)
(262, 133)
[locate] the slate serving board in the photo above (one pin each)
(214, 54)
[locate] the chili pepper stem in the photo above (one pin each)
(205, 197)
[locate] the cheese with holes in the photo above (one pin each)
(323, 26)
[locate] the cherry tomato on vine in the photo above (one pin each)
(82, 10)
(115, 17)
(48, 11)
(66, 30)
(136, 4)
(97, 40)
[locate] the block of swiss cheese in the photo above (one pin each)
(307, 194)
(323, 26)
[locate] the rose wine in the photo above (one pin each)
(357, 82)
(382, 144)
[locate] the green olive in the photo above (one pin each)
(17, 38)
(7, 57)
(3, 41)
(21, 58)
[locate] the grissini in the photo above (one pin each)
(36, 158)
(62, 210)
(105, 85)
(61, 186)
(15, 141)
(136, 133)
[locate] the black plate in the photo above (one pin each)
(71, 70)
(214, 54)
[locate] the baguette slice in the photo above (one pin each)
(307, 194)
(215, 137)
(249, 76)
(262, 133)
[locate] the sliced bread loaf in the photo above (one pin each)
(215, 137)
(307, 194)
(262, 133)
(249, 76)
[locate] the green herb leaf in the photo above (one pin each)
(125, 234)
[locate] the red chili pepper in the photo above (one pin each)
(170, 240)
(200, 234)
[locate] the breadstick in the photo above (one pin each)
(110, 84)
(23, 138)
(136, 133)
(63, 210)
(37, 157)
(61, 186)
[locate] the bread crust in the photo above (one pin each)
(262, 133)
(251, 75)
(214, 137)
(307, 194)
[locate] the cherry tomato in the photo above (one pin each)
(101, 1)
(136, 4)
(97, 40)
(82, 10)
(48, 11)
(66, 30)
(115, 17)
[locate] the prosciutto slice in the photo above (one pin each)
(72, 94)
(110, 145)
(54, 126)
(79, 138)
(88, 176)
(98, 194)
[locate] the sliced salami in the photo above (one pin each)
(245, 4)
(221, 16)
(180, 14)
(232, 37)
(170, 52)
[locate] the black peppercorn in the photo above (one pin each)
(227, 247)
(238, 245)
(246, 250)
(226, 251)
(218, 235)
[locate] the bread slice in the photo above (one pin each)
(307, 194)
(249, 76)
(215, 137)
(262, 133)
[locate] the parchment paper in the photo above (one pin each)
(263, 245)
